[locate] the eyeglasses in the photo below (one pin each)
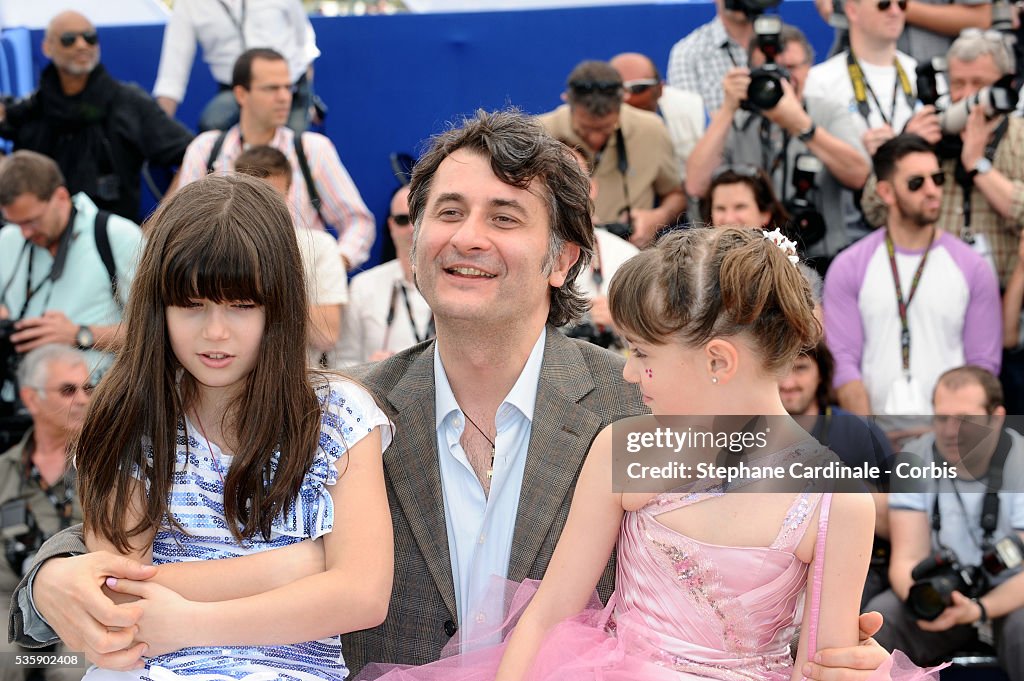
(915, 182)
(587, 86)
(884, 5)
(638, 87)
(987, 34)
(402, 220)
(68, 38)
(69, 390)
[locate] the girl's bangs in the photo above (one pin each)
(219, 272)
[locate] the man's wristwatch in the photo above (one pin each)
(84, 338)
(984, 613)
(982, 166)
(807, 135)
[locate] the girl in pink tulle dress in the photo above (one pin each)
(709, 585)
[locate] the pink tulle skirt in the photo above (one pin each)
(595, 646)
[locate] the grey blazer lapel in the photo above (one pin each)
(559, 441)
(411, 466)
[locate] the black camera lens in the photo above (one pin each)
(927, 599)
(765, 89)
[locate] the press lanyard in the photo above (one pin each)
(397, 287)
(861, 89)
(900, 303)
(239, 23)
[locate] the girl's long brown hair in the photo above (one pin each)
(223, 238)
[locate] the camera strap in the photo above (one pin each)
(901, 304)
(989, 519)
(56, 269)
(965, 178)
(31, 476)
(862, 88)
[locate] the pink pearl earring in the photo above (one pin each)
(714, 379)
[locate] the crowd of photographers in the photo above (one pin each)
(902, 148)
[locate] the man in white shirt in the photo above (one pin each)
(225, 29)
(874, 79)
(386, 313)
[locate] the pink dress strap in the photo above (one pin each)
(819, 570)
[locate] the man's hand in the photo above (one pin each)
(962, 611)
(876, 137)
(167, 618)
(789, 113)
(976, 135)
(52, 327)
(4, 312)
(853, 663)
(646, 223)
(734, 85)
(68, 593)
(926, 124)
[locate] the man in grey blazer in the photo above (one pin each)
(493, 419)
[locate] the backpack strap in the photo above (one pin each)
(105, 251)
(314, 195)
(215, 151)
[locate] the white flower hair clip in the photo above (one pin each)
(785, 244)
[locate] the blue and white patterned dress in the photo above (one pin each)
(197, 503)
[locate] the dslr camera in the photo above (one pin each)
(807, 224)
(1000, 98)
(940, 574)
(765, 89)
(21, 535)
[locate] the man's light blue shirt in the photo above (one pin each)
(480, 527)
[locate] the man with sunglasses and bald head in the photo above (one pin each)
(909, 301)
(98, 129)
(35, 479)
(682, 111)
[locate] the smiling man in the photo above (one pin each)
(493, 418)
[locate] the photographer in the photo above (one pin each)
(773, 138)
(629, 150)
(946, 517)
(37, 494)
(65, 266)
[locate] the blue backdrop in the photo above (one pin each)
(392, 81)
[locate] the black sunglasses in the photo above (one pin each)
(740, 170)
(68, 39)
(638, 87)
(402, 220)
(915, 182)
(884, 5)
(587, 86)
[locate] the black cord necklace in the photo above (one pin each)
(490, 469)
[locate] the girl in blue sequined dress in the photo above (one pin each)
(209, 440)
